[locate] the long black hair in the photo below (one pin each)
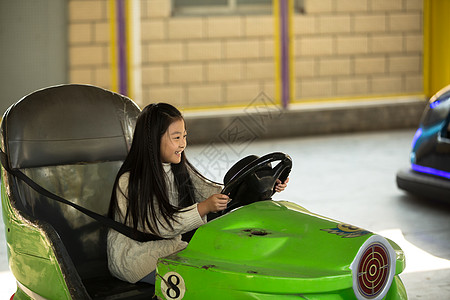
(146, 174)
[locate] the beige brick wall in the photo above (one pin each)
(89, 42)
(358, 48)
(208, 60)
(341, 48)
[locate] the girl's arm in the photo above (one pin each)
(192, 217)
(209, 190)
(185, 220)
(214, 203)
(204, 187)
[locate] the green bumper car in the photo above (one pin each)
(70, 140)
(279, 250)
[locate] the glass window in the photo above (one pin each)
(221, 7)
(194, 3)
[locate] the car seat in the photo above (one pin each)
(71, 140)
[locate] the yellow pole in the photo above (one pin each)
(283, 34)
(277, 43)
(436, 53)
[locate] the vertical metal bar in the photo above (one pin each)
(113, 44)
(426, 47)
(284, 43)
(122, 43)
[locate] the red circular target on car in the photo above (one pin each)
(373, 269)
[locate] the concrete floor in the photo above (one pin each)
(351, 178)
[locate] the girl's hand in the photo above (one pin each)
(280, 186)
(214, 203)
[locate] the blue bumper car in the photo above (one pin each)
(429, 174)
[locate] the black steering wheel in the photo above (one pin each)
(256, 180)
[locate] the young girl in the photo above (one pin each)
(158, 191)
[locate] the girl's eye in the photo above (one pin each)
(179, 137)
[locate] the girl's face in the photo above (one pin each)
(173, 142)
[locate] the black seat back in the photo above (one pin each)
(70, 139)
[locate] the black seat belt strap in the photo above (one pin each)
(122, 228)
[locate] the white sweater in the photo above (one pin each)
(130, 260)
